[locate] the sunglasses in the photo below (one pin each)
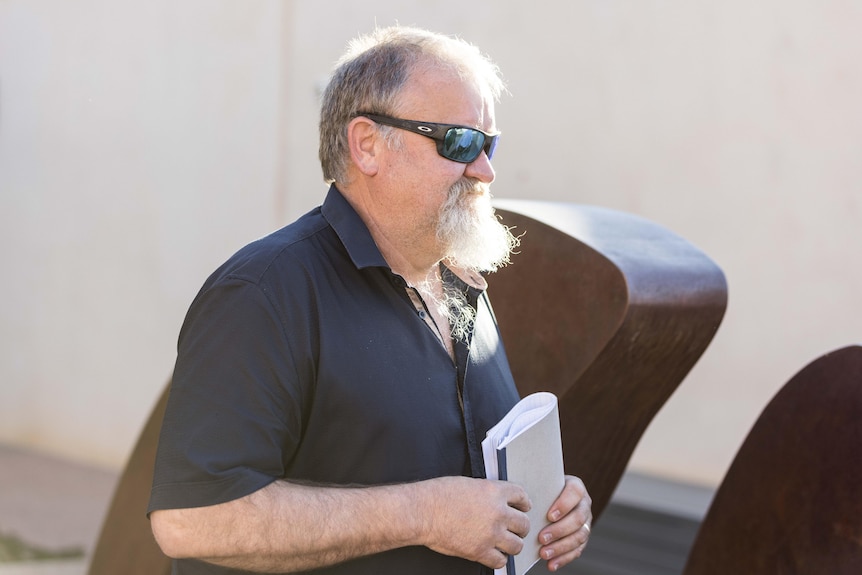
(454, 142)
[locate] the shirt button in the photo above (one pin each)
(421, 313)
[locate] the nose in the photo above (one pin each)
(481, 169)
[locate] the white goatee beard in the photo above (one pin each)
(474, 239)
(469, 230)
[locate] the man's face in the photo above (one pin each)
(446, 202)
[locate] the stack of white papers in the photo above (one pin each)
(525, 448)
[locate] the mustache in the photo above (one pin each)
(469, 185)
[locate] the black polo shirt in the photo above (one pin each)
(303, 357)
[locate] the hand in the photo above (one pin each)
(570, 516)
(477, 519)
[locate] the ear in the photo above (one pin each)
(364, 142)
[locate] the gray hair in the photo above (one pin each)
(373, 71)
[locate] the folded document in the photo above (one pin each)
(525, 448)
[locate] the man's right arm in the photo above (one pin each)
(286, 527)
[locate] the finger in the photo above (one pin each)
(566, 541)
(565, 550)
(557, 563)
(572, 522)
(574, 493)
(518, 523)
(510, 544)
(517, 497)
(580, 534)
(496, 559)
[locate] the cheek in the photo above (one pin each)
(436, 180)
(425, 179)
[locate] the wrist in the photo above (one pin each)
(420, 505)
(429, 504)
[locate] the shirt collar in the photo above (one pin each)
(351, 230)
(473, 279)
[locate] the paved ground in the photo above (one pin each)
(70, 567)
(51, 503)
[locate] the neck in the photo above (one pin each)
(416, 264)
(412, 251)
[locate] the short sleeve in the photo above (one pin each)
(234, 414)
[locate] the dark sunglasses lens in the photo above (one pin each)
(462, 144)
(491, 145)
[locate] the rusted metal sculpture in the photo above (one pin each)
(607, 310)
(791, 501)
(126, 543)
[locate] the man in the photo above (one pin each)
(334, 379)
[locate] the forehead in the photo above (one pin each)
(438, 95)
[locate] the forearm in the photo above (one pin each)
(288, 527)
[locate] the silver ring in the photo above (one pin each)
(587, 527)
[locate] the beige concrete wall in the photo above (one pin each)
(138, 147)
(141, 144)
